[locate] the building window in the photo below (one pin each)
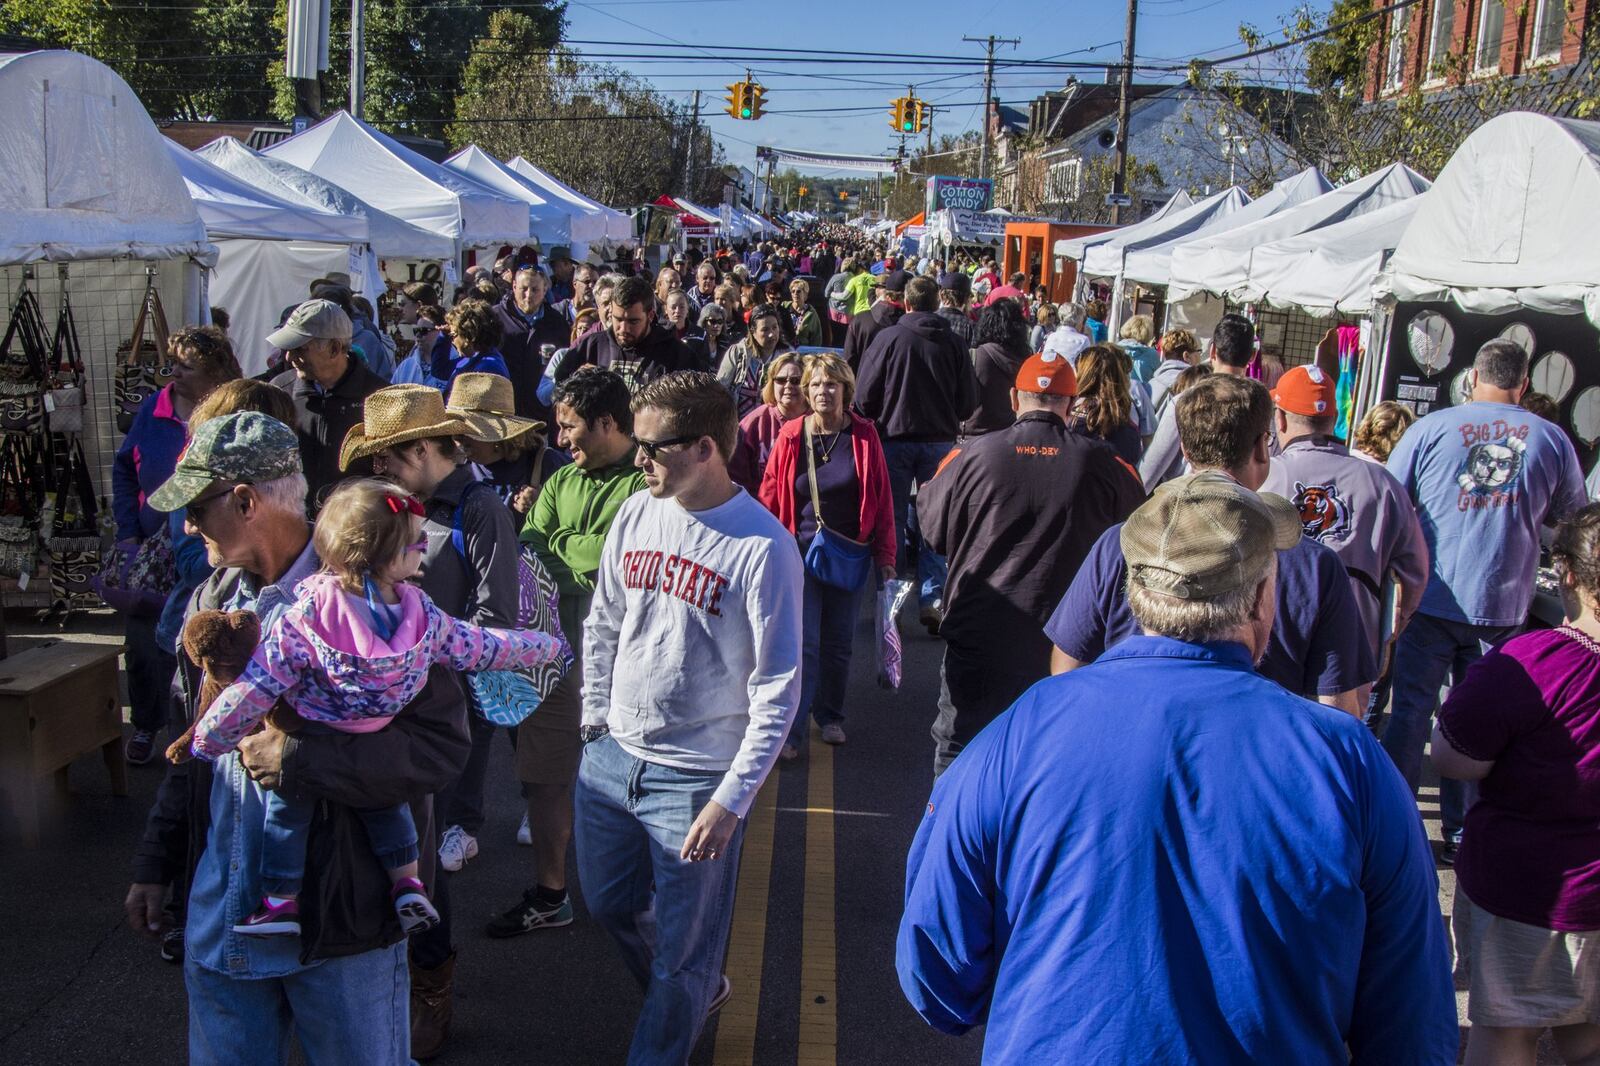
(1444, 25)
(1549, 26)
(1394, 70)
(1064, 181)
(1491, 27)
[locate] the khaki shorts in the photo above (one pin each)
(1524, 976)
(548, 744)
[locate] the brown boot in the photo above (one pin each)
(430, 1008)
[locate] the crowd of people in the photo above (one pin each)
(1193, 646)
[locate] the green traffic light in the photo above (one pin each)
(906, 126)
(745, 113)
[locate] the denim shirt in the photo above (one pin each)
(227, 881)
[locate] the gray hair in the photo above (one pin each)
(1502, 364)
(1195, 621)
(1073, 314)
(286, 494)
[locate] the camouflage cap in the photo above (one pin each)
(243, 448)
(1205, 535)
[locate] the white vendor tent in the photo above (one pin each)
(548, 223)
(1506, 225)
(605, 225)
(388, 235)
(1331, 269)
(1221, 262)
(1104, 258)
(1074, 247)
(1151, 261)
(269, 249)
(393, 178)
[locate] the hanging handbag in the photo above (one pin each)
(507, 697)
(833, 558)
(142, 369)
(73, 547)
(63, 399)
(23, 354)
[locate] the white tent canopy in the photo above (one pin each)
(548, 223)
(1074, 247)
(393, 178)
(388, 235)
(1150, 261)
(605, 224)
(84, 173)
(1509, 224)
(1104, 258)
(1221, 262)
(1332, 269)
(231, 207)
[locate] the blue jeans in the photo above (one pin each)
(914, 462)
(349, 1011)
(669, 917)
(390, 830)
(829, 640)
(1430, 650)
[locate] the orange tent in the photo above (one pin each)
(917, 219)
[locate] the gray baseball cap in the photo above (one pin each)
(1205, 535)
(314, 320)
(243, 448)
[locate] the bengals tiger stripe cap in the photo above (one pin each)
(1048, 373)
(1308, 391)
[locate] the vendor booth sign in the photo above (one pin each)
(969, 194)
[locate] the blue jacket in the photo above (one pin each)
(146, 457)
(1163, 857)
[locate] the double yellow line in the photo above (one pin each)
(819, 1019)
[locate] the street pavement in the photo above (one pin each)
(811, 953)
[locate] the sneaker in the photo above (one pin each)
(529, 914)
(141, 747)
(932, 618)
(724, 993)
(270, 919)
(456, 847)
(411, 903)
(1447, 854)
(788, 753)
(172, 946)
(833, 733)
(525, 834)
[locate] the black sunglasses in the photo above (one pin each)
(652, 448)
(195, 511)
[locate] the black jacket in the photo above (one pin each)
(660, 353)
(345, 899)
(1016, 512)
(916, 380)
(322, 419)
(865, 327)
(996, 371)
(520, 347)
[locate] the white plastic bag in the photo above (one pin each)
(891, 598)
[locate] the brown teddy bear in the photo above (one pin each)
(221, 643)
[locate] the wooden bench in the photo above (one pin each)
(58, 701)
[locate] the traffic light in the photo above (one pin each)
(900, 114)
(738, 100)
(920, 114)
(802, 190)
(754, 95)
(844, 194)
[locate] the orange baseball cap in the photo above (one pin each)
(1047, 373)
(1306, 391)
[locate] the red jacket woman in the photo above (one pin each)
(877, 511)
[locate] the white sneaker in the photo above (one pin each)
(456, 847)
(524, 834)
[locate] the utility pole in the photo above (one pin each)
(988, 94)
(694, 135)
(1119, 184)
(358, 58)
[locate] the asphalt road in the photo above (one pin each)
(812, 952)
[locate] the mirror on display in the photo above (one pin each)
(1520, 334)
(1461, 388)
(1586, 415)
(1430, 338)
(1553, 375)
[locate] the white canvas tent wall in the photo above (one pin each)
(269, 250)
(86, 183)
(1510, 222)
(1331, 270)
(390, 176)
(605, 226)
(1221, 263)
(548, 223)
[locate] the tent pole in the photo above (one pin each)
(358, 57)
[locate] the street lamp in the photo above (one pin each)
(1233, 146)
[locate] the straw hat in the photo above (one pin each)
(487, 404)
(394, 415)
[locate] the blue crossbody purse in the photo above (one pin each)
(833, 558)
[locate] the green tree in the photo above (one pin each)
(1336, 62)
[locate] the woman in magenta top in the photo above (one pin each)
(1525, 721)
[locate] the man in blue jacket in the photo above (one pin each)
(1164, 857)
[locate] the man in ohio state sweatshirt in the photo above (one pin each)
(691, 677)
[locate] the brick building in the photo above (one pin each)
(1434, 44)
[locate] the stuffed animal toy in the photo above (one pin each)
(221, 643)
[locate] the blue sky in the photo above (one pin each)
(1169, 30)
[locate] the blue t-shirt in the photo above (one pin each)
(1318, 645)
(1485, 476)
(1163, 858)
(1145, 359)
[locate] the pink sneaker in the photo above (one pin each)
(269, 919)
(411, 903)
